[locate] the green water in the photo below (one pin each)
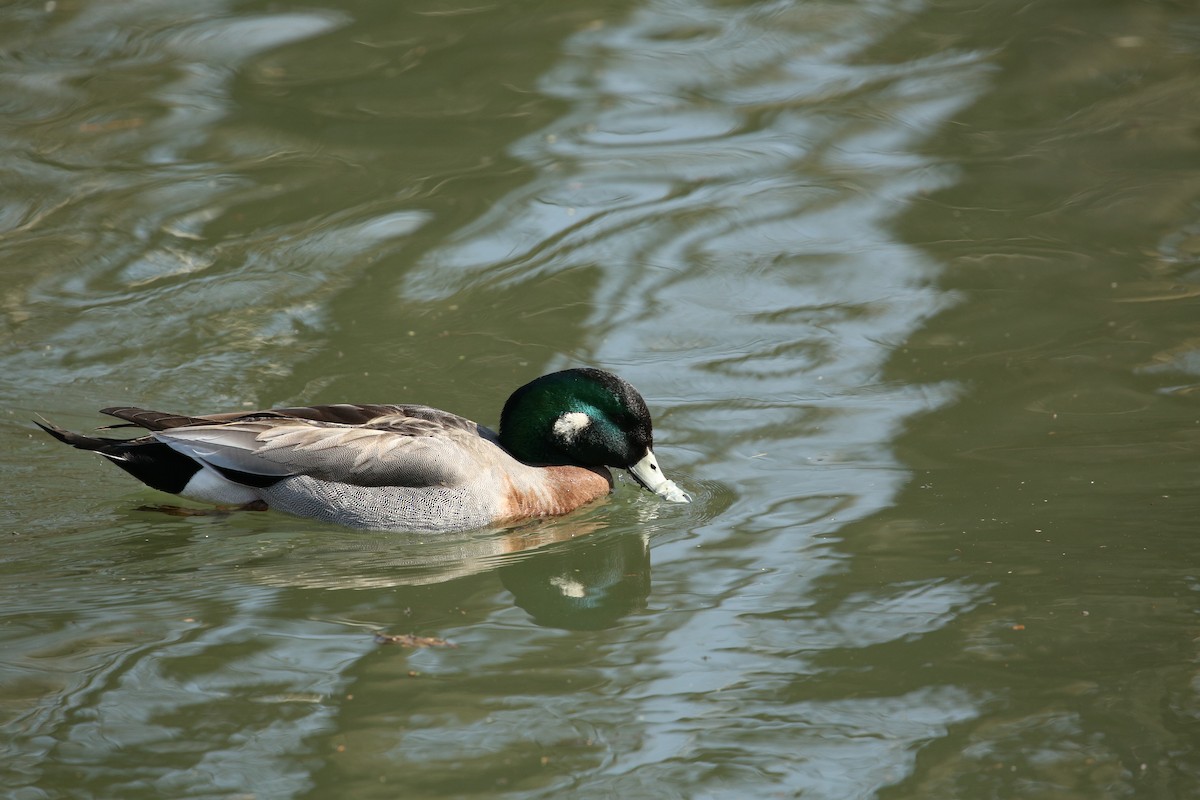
(912, 290)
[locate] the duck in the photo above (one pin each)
(401, 467)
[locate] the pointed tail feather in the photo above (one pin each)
(93, 443)
(150, 461)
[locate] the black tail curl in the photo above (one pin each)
(145, 458)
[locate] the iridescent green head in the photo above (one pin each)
(584, 417)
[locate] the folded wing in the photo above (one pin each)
(397, 446)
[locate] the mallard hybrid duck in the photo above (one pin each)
(401, 467)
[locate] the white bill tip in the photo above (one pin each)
(647, 473)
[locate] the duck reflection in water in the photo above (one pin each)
(585, 585)
(572, 574)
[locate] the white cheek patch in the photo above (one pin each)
(568, 426)
(569, 588)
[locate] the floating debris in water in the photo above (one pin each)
(411, 640)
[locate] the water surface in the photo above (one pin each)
(910, 289)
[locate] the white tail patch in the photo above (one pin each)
(210, 486)
(568, 426)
